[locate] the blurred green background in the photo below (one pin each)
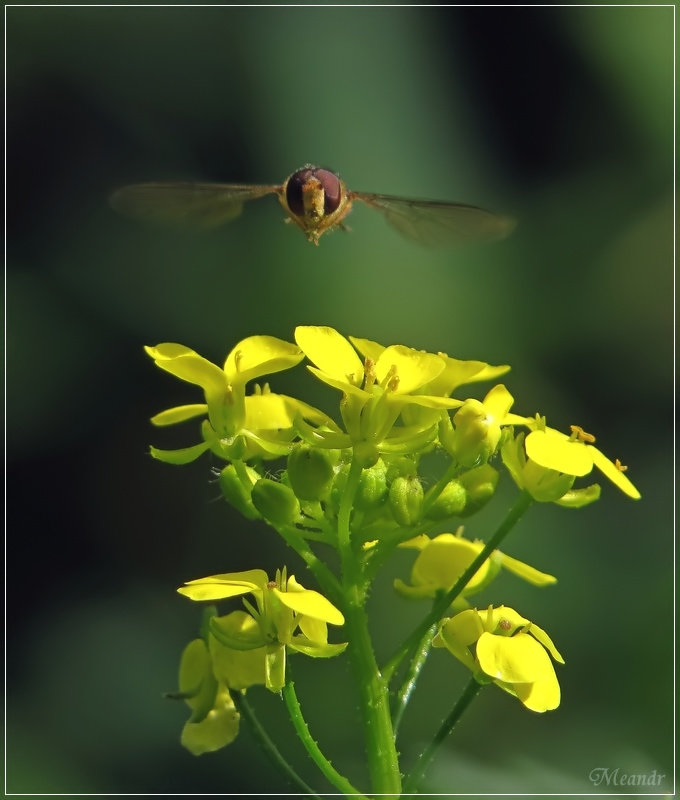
(562, 117)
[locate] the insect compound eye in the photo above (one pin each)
(294, 190)
(330, 183)
(331, 189)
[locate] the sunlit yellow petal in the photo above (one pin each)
(527, 572)
(540, 635)
(184, 363)
(309, 602)
(331, 352)
(227, 584)
(218, 729)
(444, 560)
(266, 412)
(171, 416)
(367, 348)
(552, 451)
(614, 474)
(514, 659)
(541, 695)
(260, 355)
(316, 630)
(498, 402)
(415, 368)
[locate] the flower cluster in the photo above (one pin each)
(408, 452)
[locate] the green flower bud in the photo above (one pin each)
(450, 503)
(310, 471)
(372, 487)
(276, 502)
(237, 493)
(406, 500)
(480, 485)
(401, 466)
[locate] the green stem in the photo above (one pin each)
(438, 488)
(415, 667)
(414, 777)
(327, 580)
(441, 604)
(326, 768)
(383, 761)
(245, 710)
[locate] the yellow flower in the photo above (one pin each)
(501, 646)
(443, 559)
(375, 392)
(238, 426)
(477, 424)
(547, 456)
(282, 606)
(214, 721)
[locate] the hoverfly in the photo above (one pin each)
(316, 200)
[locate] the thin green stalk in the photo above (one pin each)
(271, 750)
(325, 767)
(415, 667)
(415, 775)
(383, 761)
(434, 492)
(327, 580)
(522, 503)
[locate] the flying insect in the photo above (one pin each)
(316, 200)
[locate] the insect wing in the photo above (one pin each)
(197, 205)
(434, 223)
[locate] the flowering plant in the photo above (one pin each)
(354, 483)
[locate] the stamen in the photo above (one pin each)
(583, 436)
(621, 467)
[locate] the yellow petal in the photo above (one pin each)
(260, 355)
(309, 602)
(513, 659)
(552, 450)
(367, 348)
(187, 365)
(331, 352)
(614, 474)
(527, 572)
(498, 402)
(541, 695)
(171, 416)
(227, 584)
(414, 367)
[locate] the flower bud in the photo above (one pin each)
(406, 500)
(480, 485)
(476, 437)
(276, 502)
(372, 486)
(310, 472)
(237, 493)
(450, 502)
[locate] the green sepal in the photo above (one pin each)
(184, 455)
(275, 668)
(237, 631)
(577, 498)
(316, 649)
